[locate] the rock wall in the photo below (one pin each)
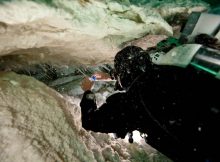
(80, 32)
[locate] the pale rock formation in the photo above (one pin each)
(70, 32)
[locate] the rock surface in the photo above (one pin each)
(79, 32)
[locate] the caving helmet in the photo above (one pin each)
(129, 63)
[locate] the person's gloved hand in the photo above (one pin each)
(87, 84)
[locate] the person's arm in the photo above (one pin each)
(111, 117)
(88, 107)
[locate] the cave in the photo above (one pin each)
(48, 48)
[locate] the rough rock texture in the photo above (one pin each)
(83, 32)
(73, 28)
(39, 125)
(146, 42)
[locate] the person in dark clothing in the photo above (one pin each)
(176, 107)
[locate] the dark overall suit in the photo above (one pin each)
(178, 108)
